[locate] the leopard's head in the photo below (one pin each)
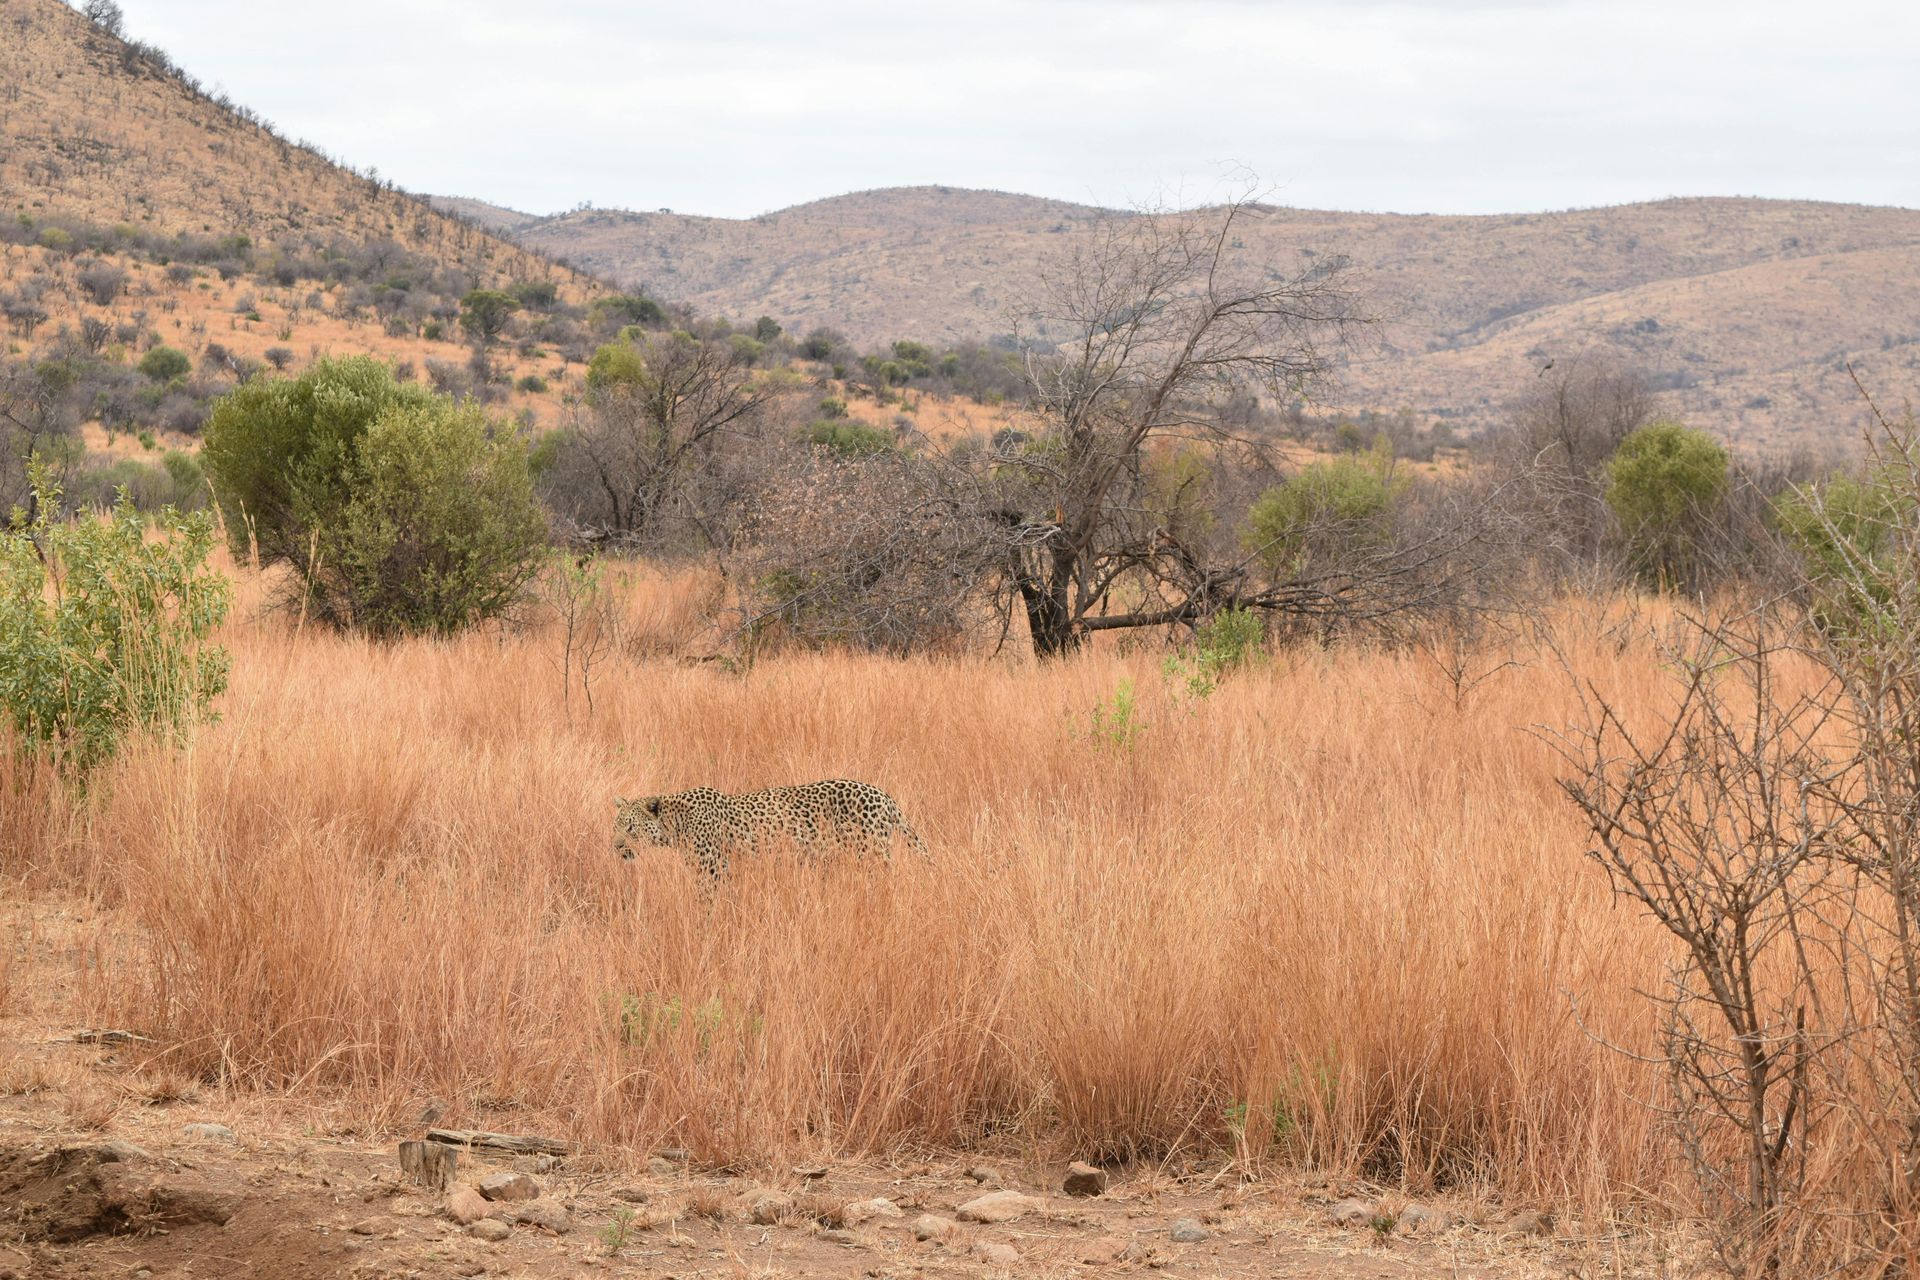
(637, 823)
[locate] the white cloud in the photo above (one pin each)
(734, 109)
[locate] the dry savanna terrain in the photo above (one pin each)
(1299, 960)
(1746, 311)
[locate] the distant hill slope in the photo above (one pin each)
(136, 210)
(1746, 311)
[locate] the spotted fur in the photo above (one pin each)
(710, 826)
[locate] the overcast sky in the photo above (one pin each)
(733, 108)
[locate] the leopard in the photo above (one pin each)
(837, 814)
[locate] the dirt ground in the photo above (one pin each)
(103, 1174)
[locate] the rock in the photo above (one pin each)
(770, 1208)
(1529, 1223)
(1100, 1251)
(984, 1175)
(997, 1206)
(545, 1214)
(1084, 1180)
(931, 1226)
(465, 1205)
(509, 1186)
(862, 1210)
(368, 1227)
(995, 1254)
(1189, 1231)
(632, 1195)
(491, 1229)
(208, 1133)
(1351, 1211)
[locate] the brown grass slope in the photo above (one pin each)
(1746, 310)
(95, 131)
(86, 131)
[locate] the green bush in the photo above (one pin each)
(1848, 533)
(104, 632)
(533, 384)
(1663, 482)
(1347, 498)
(401, 511)
(630, 308)
(164, 364)
(854, 439)
(484, 312)
(617, 364)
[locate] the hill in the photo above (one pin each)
(138, 211)
(1745, 311)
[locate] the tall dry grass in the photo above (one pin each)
(1324, 915)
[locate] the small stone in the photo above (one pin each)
(545, 1214)
(208, 1133)
(632, 1195)
(509, 1186)
(1530, 1223)
(995, 1254)
(985, 1175)
(861, 1210)
(770, 1208)
(491, 1229)
(931, 1226)
(465, 1205)
(997, 1206)
(1084, 1180)
(1101, 1251)
(369, 1227)
(1189, 1231)
(1350, 1211)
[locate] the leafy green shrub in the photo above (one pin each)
(833, 407)
(630, 308)
(1223, 644)
(617, 364)
(164, 364)
(533, 384)
(1848, 533)
(1662, 483)
(1347, 498)
(104, 633)
(854, 439)
(400, 510)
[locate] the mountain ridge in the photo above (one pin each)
(1702, 292)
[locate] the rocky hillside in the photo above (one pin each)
(1746, 311)
(140, 212)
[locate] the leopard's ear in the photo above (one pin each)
(621, 802)
(653, 805)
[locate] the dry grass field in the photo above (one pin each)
(1746, 310)
(1333, 918)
